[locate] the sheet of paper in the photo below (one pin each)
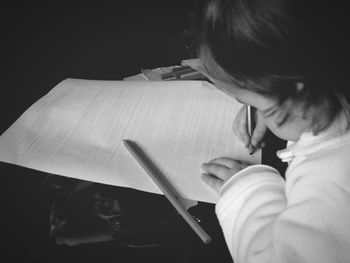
(76, 130)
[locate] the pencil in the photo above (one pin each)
(250, 111)
(159, 180)
(177, 73)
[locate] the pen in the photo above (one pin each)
(177, 73)
(189, 76)
(250, 112)
(178, 68)
(159, 180)
(192, 76)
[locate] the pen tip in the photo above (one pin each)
(251, 149)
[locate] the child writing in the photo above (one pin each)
(289, 60)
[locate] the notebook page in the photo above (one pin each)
(76, 130)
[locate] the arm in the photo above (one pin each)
(247, 210)
(260, 225)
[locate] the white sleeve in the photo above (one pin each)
(249, 205)
(259, 226)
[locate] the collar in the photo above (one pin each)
(308, 143)
(287, 155)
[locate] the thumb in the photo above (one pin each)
(239, 127)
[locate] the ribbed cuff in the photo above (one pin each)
(252, 169)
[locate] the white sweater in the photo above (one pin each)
(303, 219)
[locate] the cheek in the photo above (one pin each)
(284, 132)
(273, 127)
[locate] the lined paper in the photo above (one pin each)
(76, 130)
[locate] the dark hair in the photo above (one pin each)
(290, 50)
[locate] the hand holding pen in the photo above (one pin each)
(250, 128)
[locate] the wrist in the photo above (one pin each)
(249, 170)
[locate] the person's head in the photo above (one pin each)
(287, 58)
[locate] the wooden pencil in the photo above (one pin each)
(160, 181)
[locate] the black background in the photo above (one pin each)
(45, 42)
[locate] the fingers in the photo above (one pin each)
(213, 182)
(259, 132)
(225, 161)
(231, 164)
(223, 168)
(218, 170)
(239, 127)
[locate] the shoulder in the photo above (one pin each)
(328, 157)
(320, 170)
